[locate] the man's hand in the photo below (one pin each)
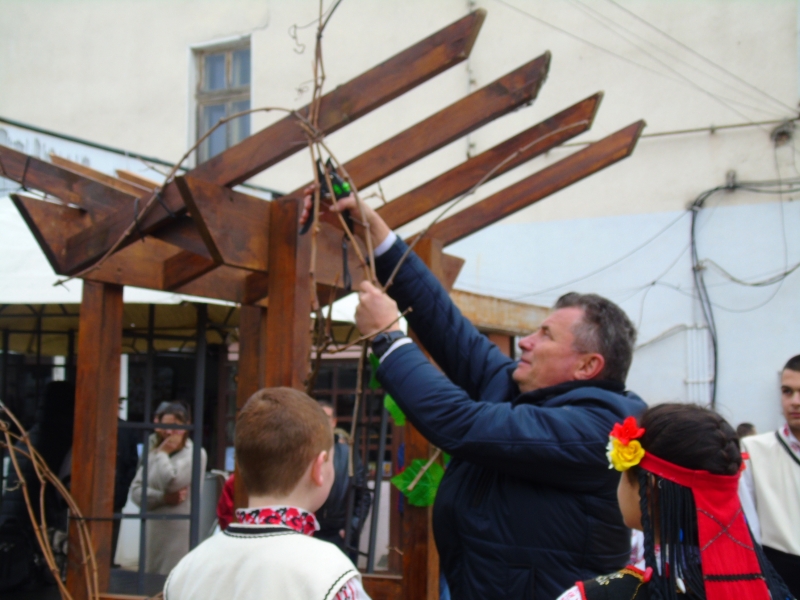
(375, 311)
(377, 226)
(175, 498)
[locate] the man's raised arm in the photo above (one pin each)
(466, 356)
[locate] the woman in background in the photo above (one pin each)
(169, 477)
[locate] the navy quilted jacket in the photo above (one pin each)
(528, 504)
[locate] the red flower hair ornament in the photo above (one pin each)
(624, 450)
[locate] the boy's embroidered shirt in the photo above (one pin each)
(303, 522)
(295, 518)
(790, 439)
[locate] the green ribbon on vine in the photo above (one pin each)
(424, 492)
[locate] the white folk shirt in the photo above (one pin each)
(266, 553)
(772, 480)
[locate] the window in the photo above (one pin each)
(223, 89)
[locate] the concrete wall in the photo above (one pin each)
(121, 72)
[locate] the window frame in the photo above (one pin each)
(227, 96)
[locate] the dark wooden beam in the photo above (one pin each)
(347, 102)
(64, 235)
(118, 184)
(184, 267)
(500, 97)
(183, 233)
(535, 141)
(289, 312)
(549, 180)
(223, 283)
(383, 586)
(51, 225)
(233, 226)
(137, 179)
(95, 197)
(451, 267)
(87, 246)
(256, 287)
(339, 107)
(140, 265)
(94, 445)
(250, 373)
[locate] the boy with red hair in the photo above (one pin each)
(284, 447)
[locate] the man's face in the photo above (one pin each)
(790, 399)
(548, 356)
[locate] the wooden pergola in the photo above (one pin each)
(203, 238)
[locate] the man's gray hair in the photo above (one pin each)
(604, 329)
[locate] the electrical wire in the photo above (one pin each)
(724, 101)
(791, 109)
(671, 55)
(680, 79)
(609, 265)
(585, 41)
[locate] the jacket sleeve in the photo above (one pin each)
(561, 446)
(465, 355)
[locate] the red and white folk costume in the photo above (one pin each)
(266, 553)
(728, 559)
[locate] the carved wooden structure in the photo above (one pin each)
(205, 239)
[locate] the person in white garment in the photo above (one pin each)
(169, 478)
(772, 482)
(284, 455)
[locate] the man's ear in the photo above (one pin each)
(589, 366)
(317, 472)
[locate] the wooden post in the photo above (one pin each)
(420, 557)
(250, 373)
(94, 447)
(289, 313)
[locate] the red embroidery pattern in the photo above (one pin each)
(294, 518)
(792, 441)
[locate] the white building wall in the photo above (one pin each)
(120, 72)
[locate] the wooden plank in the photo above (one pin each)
(256, 287)
(383, 587)
(140, 265)
(234, 226)
(339, 107)
(51, 225)
(185, 267)
(451, 267)
(289, 312)
(557, 176)
(497, 315)
(504, 342)
(500, 97)
(250, 373)
(347, 102)
(87, 246)
(222, 283)
(94, 446)
(95, 197)
(118, 184)
(137, 179)
(183, 233)
(535, 140)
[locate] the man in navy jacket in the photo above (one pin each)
(528, 504)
